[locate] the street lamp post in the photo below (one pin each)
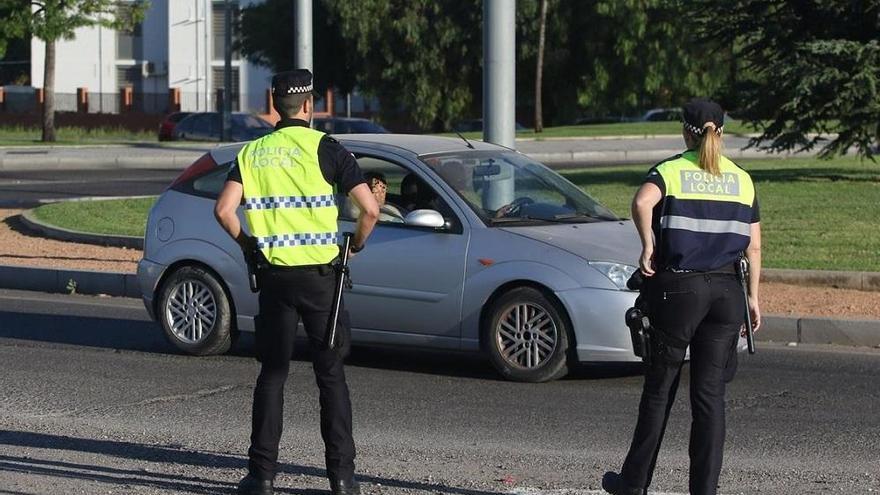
(227, 73)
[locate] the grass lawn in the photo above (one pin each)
(815, 214)
(619, 129)
(112, 216)
(21, 136)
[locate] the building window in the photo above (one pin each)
(129, 77)
(129, 43)
(218, 28)
(217, 79)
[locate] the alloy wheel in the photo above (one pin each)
(191, 311)
(526, 336)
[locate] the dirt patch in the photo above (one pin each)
(796, 300)
(20, 247)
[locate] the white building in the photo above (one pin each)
(178, 45)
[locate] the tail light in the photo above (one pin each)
(201, 166)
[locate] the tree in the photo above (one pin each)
(807, 70)
(267, 38)
(423, 56)
(53, 20)
(539, 69)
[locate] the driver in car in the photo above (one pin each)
(379, 187)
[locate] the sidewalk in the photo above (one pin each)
(561, 152)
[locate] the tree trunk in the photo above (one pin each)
(49, 94)
(539, 71)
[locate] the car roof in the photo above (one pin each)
(415, 143)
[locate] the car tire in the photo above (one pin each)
(194, 312)
(527, 336)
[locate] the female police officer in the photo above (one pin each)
(696, 213)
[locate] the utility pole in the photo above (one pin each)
(499, 72)
(227, 73)
(499, 93)
(303, 30)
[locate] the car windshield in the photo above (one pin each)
(508, 188)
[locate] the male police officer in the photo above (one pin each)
(287, 182)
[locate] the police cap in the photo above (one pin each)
(292, 82)
(700, 111)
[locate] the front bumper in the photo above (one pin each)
(148, 275)
(599, 328)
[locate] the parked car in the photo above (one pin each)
(660, 114)
(166, 127)
(346, 125)
(208, 126)
(476, 125)
(607, 119)
(494, 253)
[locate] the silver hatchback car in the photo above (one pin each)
(479, 248)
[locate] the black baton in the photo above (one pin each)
(341, 273)
(742, 271)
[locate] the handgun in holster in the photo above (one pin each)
(636, 318)
(253, 260)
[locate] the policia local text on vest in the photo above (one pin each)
(288, 182)
(696, 213)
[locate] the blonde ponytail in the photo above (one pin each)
(710, 149)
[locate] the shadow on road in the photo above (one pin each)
(148, 477)
(143, 335)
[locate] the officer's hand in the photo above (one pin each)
(248, 243)
(646, 261)
(754, 313)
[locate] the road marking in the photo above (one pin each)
(573, 491)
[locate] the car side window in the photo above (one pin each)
(212, 183)
(398, 191)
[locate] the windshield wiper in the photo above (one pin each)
(586, 217)
(516, 220)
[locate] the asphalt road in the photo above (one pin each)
(92, 400)
(24, 189)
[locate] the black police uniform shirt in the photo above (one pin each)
(655, 178)
(338, 165)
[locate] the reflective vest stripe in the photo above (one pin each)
(297, 239)
(705, 225)
(272, 202)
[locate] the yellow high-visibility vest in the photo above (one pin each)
(289, 206)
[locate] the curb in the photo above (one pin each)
(806, 330)
(59, 281)
(812, 330)
(612, 157)
(62, 234)
(867, 281)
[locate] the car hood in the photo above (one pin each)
(615, 241)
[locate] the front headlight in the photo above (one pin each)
(618, 273)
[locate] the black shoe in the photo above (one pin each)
(250, 485)
(613, 484)
(348, 486)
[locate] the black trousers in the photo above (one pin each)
(286, 295)
(706, 311)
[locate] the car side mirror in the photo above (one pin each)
(425, 218)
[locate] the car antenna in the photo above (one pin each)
(468, 143)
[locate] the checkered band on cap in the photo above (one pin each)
(273, 202)
(294, 90)
(700, 131)
(297, 239)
